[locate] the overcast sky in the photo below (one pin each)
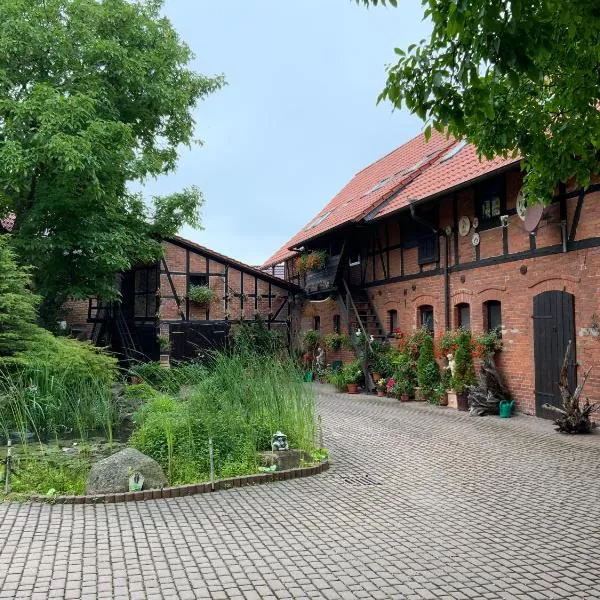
(298, 117)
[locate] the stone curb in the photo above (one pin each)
(187, 490)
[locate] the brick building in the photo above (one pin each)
(155, 304)
(429, 234)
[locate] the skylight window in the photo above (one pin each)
(318, 220)
(454, 151)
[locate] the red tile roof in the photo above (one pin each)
(415, 171)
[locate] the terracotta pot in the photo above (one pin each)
(404, 398)
(376, 377)
(353, 388)
(444, 400)
(419, 395)
(135, 380)
(380, 393)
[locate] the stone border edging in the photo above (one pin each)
(187, 490)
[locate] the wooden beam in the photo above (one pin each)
(175, 294)
(187, 283)
(576, 216)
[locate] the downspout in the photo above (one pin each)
(447, 283)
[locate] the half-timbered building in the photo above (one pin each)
(430, 235)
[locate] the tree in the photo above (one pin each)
(17, 304)
(509, 76)
(94, 94)
(464, 369)
(428, 371)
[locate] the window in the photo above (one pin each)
(463, 316)
(199, 280)
(146, 300)
(490, 201)
(492, 314)
(428, 249)
(426, 318)
(392, 320)
(317, 323)
(354, 258)
(337, 324)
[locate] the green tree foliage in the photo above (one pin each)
(17, 303)
(93, 95)
(464, 370)
(428, 371)
(509, 75)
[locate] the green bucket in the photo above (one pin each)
(506, 408)
(308, 376)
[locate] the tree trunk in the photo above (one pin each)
(573, 417)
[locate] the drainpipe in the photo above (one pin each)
(418, 219)
(447, 283)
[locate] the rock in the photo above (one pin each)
(285, 459)
(111, 475)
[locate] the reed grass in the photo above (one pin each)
(239, 402)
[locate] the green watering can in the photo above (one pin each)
(506, 408)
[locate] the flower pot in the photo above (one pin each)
(444, 399)
(380, 393)
(165, 360)
(353, 388)
(376, 377)
(420, 395)
(404, 398)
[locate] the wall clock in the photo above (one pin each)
(521, 205)
(464, 226)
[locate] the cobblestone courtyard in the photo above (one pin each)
(420, 502)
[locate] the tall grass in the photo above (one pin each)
(239, 402)
(59, 390)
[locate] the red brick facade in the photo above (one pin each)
(509, 265)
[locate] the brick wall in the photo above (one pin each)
(75, 313)
(237, 294)
(512, 282)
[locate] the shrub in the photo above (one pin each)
(310, 339)
(464, 370)
(352, 372)
(256, 338)
(59, 386)
(201, 294)
(428, 371)
(18, 304)
(335, 341)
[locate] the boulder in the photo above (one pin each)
(111, 475)
(284, 459)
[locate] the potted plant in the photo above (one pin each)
(336, 341)
(404, 389)
(428, 371)
(311, 261)
(380, 386)
(337, 378)
(441, 391)
(200, 294)
(353, 375)
(463, 373)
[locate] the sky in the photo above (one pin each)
(298, 117)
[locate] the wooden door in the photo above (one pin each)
(553, 327)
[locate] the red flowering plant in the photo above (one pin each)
(446, 343)
(390, 384)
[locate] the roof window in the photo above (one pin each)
(454, 151)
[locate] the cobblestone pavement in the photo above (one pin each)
(421, 502)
